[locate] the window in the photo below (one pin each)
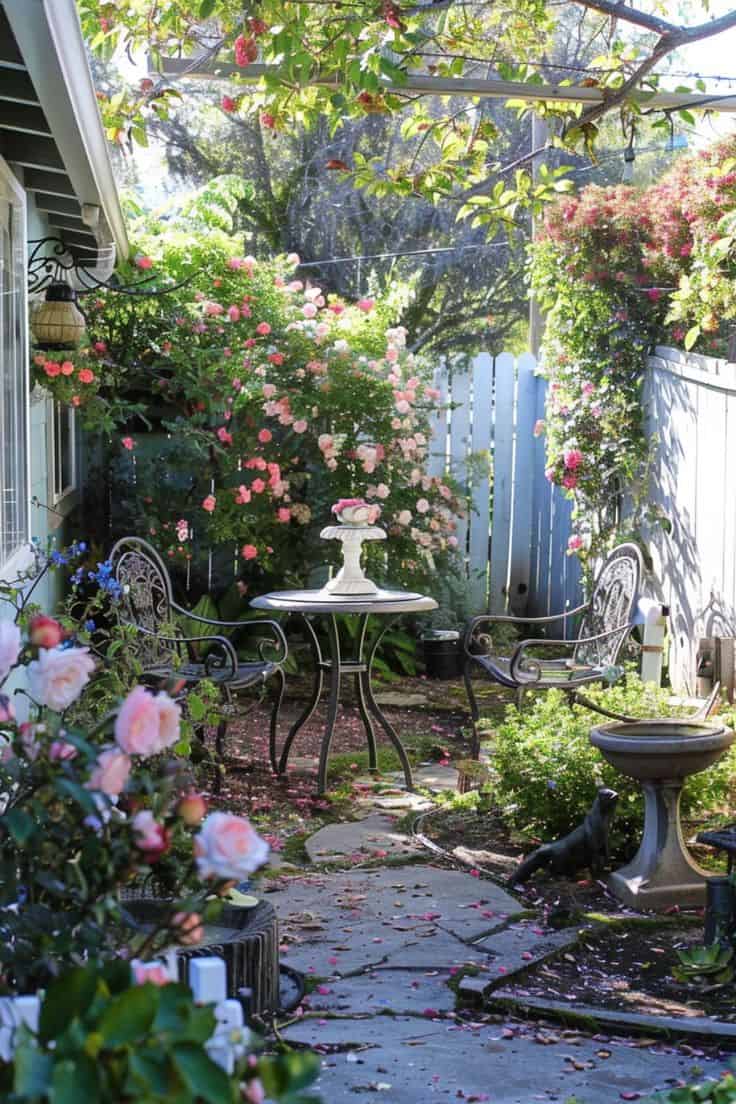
(14, 452)
(62, 452)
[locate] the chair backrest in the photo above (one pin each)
(612, 605)
(145, 598)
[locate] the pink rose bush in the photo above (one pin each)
(89, 811)
(281, 398)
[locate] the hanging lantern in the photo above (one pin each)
(58, 323)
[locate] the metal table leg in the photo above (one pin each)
(314, 698)
(333, 701)
(388, 728)
(360, 695)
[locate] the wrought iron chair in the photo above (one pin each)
(147, 603)
(606, 623)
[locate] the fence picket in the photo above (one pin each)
(460, 382)
(480, 519)
(503, 482)
(523, 484)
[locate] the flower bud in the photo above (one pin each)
(45, 632)
(192, 809)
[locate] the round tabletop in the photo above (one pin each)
(320, 601)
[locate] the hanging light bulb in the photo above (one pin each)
(629, 159)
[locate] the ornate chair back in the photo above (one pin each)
(145, 599)
(611, 607)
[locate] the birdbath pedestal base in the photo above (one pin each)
(661, 873)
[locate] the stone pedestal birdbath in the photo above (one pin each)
(660, 755)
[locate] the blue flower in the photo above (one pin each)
(90, 625)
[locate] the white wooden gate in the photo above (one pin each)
(514, 537)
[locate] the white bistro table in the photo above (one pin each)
(321, 605)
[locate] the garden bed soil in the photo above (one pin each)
(627, 969)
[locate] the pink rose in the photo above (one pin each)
(574, 544)
(61, 750)
(44, 631)
(233, 313)
(151, 837)
(188, 927)
(573, 458)
(264, 436)
(300, 425)
(382, 491)
(570, 482)
(258, 486)
(263, 329)
(153, 973)
(10, 642)
(366, 305)
(147, 723)
(57, 677)
(309, 310)
(144, 262)
(293, 260)
(422, 506)
(249, 552)
(227, 103)
(269, 390)
(209, 503)
(111, 772)
(228, 847)
(128, 443)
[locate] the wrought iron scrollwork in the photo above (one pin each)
(51, 261)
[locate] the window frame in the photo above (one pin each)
(21, 557)
(62, 499)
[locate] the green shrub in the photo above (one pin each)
(546, 771)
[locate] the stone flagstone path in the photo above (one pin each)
(380, 947)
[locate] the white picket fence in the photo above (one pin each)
(514, 537)
(691, 416)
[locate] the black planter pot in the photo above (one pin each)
(719, 911)
(443, 654)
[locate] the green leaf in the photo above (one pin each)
(691, 337)
(200, 1074)
(20, 825)
(129, 1016)
(75, 1080)
(288, 1073)
(78, 794)
(67, 998)
(206, 8)
(196, 707)
(32, 1071)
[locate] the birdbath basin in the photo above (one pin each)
(660, 754)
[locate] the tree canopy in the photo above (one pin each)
(293, 63)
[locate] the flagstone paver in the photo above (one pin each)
(375, 836)
(415, 1060)
(397, 991)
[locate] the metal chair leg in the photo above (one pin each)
(274, 725)
(474, 711)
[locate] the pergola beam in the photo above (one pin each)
(484, 88)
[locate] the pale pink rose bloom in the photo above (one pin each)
(189, 928)
(300, 425)
(452, 541)
(332, 464)
(147, 723)
(309, 310)
(392, 355)
(10, 641)
(149, 834)
(30, 742)
(293, 259)
(283, 514)
(213, 309)
(254, 1092)
(312, 293)
(228, 847)
(110, 772)
(422, 506)
(295, 285)
(382, 491)
(269, 390)
(403, 406)
(249, 552)
(404, 517)
(57, 677)
(233, 313)
(153, 972)
(61, 750)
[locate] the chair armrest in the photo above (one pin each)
(506, 619)
(221, 654)
(518, 657)
(253, 623)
